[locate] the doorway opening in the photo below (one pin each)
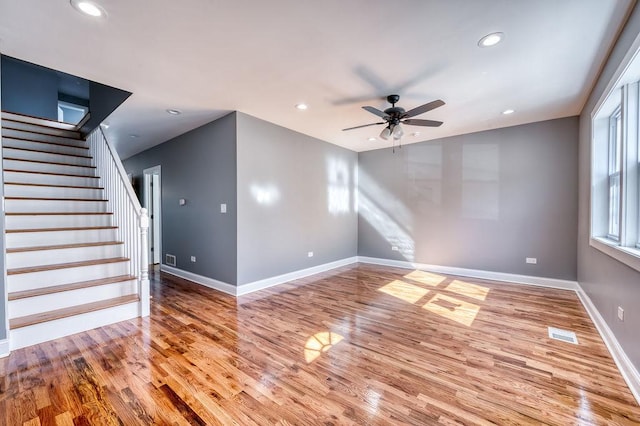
(153, 204)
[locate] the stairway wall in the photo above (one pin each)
(4, 325)
(29, 89)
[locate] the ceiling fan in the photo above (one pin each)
(395, 116)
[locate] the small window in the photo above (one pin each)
(71, 113)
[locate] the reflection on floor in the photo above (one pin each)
(359, 345)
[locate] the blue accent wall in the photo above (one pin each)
(29, 89)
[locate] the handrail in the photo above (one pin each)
(128, 215)
(122, 172)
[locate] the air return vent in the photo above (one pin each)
(564, 335)
(170, 259)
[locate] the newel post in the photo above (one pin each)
(144, 264)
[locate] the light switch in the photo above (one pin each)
(182, 201)
(223, 208)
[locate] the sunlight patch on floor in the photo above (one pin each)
(424, 277)
(473, 291)
(319, 343)
(408, 292)
(454, 309)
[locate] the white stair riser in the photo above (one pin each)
(40, 129)
(41, 137)
(24, 259)
(31, 280)
(48, 168)
(54, 206)
(33, 239)
(41, 146)
(66, 299)
(57, 221)
(45, 156)
(50, 179)
(38, 333)
(51, 192)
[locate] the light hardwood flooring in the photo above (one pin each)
(362, 344)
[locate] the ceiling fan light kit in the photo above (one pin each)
(395, 116)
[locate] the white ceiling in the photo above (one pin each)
(209, 57)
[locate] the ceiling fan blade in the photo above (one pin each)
(427, 123)
(364, 125)
(376, 111)
(423, 108)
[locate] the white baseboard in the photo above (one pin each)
(255, 285)
(626, 367)
(280, 279)
(4, 348)
(200, 279)
(475, 273)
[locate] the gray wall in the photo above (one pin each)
(295, 195)
(608, 282)
(29, 89)
(199, 166)
(481, 201)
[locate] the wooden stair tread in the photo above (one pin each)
(47, 152)
(53, 186)
(68, 287)
(50, 173)
(41, 268)
(63, 246)
(47, 162)
(69, 312)
(28, 119)
(79, 228)
(8, 126)
(18, 138)
(53, 199)
(54, 213)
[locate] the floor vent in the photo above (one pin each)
(170, 260)
(564, 335)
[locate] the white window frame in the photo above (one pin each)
(622, 96)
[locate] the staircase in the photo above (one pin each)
(66, 267)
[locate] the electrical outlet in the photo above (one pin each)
(620, 313)
(531, 260)
(394, 248)
(182, 201)
(310, 254)
(193, 259)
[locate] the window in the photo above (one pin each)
(615, 171)
(615, 149)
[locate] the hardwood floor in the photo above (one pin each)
(360, 345)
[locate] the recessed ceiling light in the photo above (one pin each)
(88, 8)
(508, 111)
(134, 136)
(414, 134)
(174, 111)
(372, 139)
(491, 39)
(302, 106)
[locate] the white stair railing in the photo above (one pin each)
(128, 215)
